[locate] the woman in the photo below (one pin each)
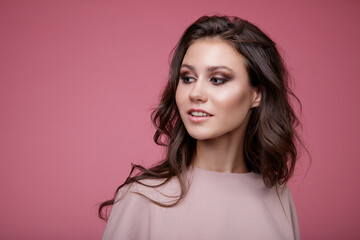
(229, 130)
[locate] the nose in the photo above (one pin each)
(198, 92)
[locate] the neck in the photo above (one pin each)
(223, 154)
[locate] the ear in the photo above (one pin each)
(256, 97)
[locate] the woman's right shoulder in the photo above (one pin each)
(130, 214)
(158, 190)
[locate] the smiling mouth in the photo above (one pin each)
(199, 114)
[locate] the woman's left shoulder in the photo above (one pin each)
(283, 192)
(278, 190)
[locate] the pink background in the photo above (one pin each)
(78, 80)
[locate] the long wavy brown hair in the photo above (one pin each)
(271, 138)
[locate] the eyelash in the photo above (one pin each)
(185, 80)
(222, 80)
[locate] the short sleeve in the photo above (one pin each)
(129, 217)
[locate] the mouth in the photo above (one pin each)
(198, 113)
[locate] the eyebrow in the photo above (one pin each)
(210, 69)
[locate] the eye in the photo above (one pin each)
(187, 79)
(217, 81)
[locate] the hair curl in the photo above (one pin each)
(271, 137)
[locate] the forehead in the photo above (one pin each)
(213, 52)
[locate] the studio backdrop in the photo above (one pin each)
(79, 79)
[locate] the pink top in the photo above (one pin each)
(217, 206)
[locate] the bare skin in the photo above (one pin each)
(222, 154)
(215, 99)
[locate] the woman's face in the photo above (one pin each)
(214, 95)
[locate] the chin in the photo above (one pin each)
(201, 136)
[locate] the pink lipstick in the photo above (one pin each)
(198, 115)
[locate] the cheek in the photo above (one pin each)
(180, 96)
(179, 100)
(234, 104)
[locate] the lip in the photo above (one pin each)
(197, 110)
(198, 119)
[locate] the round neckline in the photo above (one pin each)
(221, 173)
